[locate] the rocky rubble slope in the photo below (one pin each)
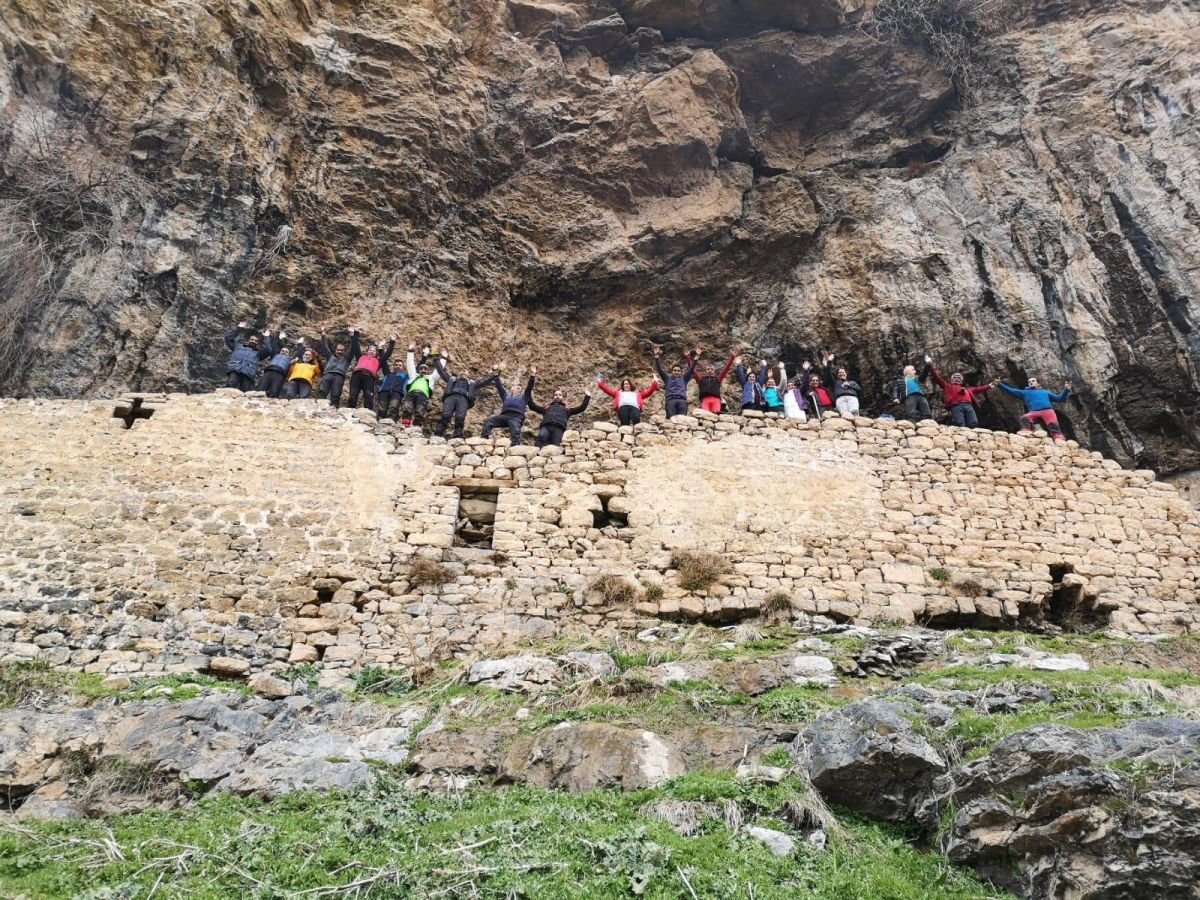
(570, 181)
(1051, 766)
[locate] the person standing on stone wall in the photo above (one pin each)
(241, 371)
(710, 382)
(421, 382)
(1039, 406)
(302, 376)
(366, 369)
(675, 384)
(555, 415)
(961, 400)
(847, 394)
(512, 409)
(391, 392)
(752, 386)
(628, 399)
(795, 406)
(337, 366)
(275, 374)
(458, 396)
(907, 390)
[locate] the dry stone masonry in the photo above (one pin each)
(230, 534)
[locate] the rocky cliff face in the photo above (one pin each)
(567, 182)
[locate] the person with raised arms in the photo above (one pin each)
(512, 408)
(241, 371)
(628, 399)
(1039, 406)
(556, 415)
(675, 383)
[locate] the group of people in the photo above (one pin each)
(264, 361)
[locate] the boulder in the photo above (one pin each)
(516, 674)
(777, 842)
(869, 757)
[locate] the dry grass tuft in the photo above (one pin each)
(429, 573)
(612, 589)
(698, 571)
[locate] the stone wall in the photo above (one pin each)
(229, 533)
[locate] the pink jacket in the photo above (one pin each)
(615, 393)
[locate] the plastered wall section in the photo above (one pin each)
(228, 533)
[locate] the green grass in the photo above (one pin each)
(35, 684)
(796, 703)
(521, 842)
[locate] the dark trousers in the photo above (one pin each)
(504, 420)
(331, 387)
(916, 406)
(964, 415)
(242, 382)
(272, 383)
(453, 407)
(676, 406)
(413, 405)
(629, 415)
(362, 383)
(383, 402)
(298, 389)
(550, 435)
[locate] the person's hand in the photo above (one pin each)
(283, 335)
(928, 358)
(496, 368)
(299, 340)
(355, 330)
(995, 382)
(696, 352)
(267, 332)
(657, 352)
(896, 402)
(393, 337)
(243, 324)
(322, 331)
(806, 365)
(426, 350)
(1070, 386)
(587, 392)
(533, 371)
(412, 347)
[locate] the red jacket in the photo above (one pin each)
(615, 393)
(954, 394)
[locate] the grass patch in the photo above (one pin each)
(612, 590)
(385, 841)
(377, 681)
(939, 574)
(424, 572)
(796, 703)
(34, 684)
(652, 592)
(698, 571)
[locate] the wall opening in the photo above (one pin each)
(605, 517)
(1068, 606)
(476, 520)
(132, 410)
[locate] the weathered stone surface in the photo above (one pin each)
(868, 756)
(585, 756)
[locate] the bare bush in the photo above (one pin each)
(698, 571)
(60, 201)
(612, 590)
(954, 32)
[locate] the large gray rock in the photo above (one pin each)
(516, 674)
(869, 757)
(1047, 814)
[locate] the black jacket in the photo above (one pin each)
(838, 388)
(557, 413)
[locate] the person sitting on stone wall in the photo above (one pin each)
(710, 382)
(1039, 406)
(752, 385)
(366, 369)
(391, 392)
(961, 400)
(847, 394)
(628, 399)
(819, 400)
(303, 374)
(555, 415)
(275, 374)
(241, 371)
(458, 396)
(772, 398)
(422, 379)
(512, 409)
(907, 390)
(336, 368)
(675, 384)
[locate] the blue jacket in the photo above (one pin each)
(394, 382)
(676, 387)
(281, 362)
(514, 406)
(752, 391)
(1036, 399)
(243, 358)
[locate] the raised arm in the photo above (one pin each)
(529, 401)
(762, 372)
(439, 363)
(1062, 396)
(355, 346)
(649, 391)
(576, 410)
(728, 366)
(387, 351)
(1009, 389)
(411, 361)
(937, 377)
(235, 332)
(740, 371)
(692, 360)
(658, 367)
(611, 391)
